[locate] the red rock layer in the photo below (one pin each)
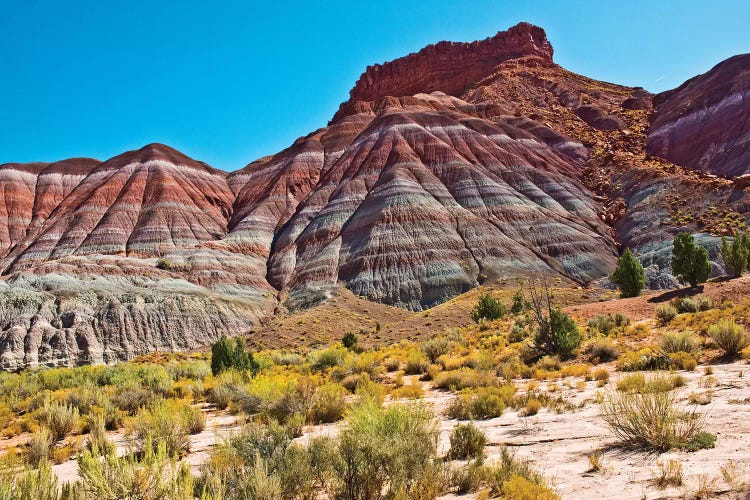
(705, 123)
(31, 191)
(448, 67)
(413, 200)
(142, 203)
(17, 200)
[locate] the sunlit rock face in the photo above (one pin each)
(414, 200)
(705, 123)
(109, 260)
(448, 67)
(142, 204)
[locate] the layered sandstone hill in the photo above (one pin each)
(705, 122)
(460, 164)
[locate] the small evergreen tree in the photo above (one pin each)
(556, 332)
(221, 355)
(736, 255)
(629, 275)
(487, 308)
(689, 261)
(226, 355)
(349, 340)
(243, 360)
(519, 304)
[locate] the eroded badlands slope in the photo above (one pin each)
(461, 164)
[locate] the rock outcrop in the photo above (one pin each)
(448, 67)
(705, 123)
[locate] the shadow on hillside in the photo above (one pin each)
(673, 294)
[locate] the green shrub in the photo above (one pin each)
(629, 275)
(729, 336)
(328, 403)
(220, 395)
(258, 484)
(487, 308)
(650, 421)
(682, 361)
(19, 483)
(367, 390)
(466, 479)
(517, 333)
(155, 474)
(162, 424)
(464, 378)
(194, 419)
(192, 370)
(644, 359)
(329, 358)
(699, 441)
(261, 462)
(60, 418)
(97, 439)
(349, 340)
(605, 323)
(467, 442)
(736, 255)
(637, 383)
(155, 378)
(132, 397)
(435, 347)
(602, 351)
(287, 358)
(519, 303)
(481, 403)
(558, 334)
(225, 356)
(387, 451)
(680, 342)
(39, 446)
(704, 303)
(690, 262)
(665, 314)
(512, 478)
(693, 304)
(548, 363)
(416, 363)
(257, 441)
(391, 364)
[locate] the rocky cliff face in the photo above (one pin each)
(461, 164)
(705, 123)
(448, 67)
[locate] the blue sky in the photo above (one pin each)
(228, 82)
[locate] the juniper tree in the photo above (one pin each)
(629, 275)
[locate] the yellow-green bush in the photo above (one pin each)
(163, 423)
(464, 378)
(480, 403)
(652, 421)
(467, 442)
(328, 403)
(729, 336)
(643, 359)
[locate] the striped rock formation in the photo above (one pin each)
(461, 164)
(705, 122)
(429, 197)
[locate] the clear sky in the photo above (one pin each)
(228, 82)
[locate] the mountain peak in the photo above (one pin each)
(449, 66)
